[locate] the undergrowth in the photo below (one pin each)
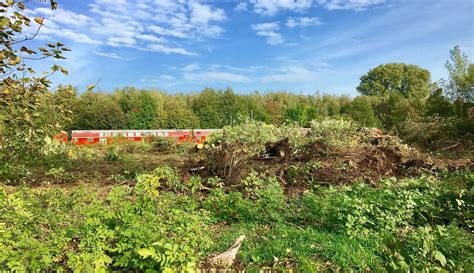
(164, 224)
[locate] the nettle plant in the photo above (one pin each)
(24, 94)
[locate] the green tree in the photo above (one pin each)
(460, 85)
(98, 111)
(139, 107)
(178, 114)
(438, 104)
(360, 110)
(207, 106)
(232, 107)
(409, 80)
(255, 107)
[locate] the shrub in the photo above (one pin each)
(336, 132)
(360, 210)
(113, 153)
(50, 230)
(163, 144)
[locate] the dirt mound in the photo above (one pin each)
(382, 160)
(313, 150)
(318, 163)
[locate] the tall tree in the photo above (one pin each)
(206, 106)
(460, 85)
(98, 111)
(139, 107)
(409, 80)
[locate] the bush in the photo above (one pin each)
(51, 230)
(163, 144)
(254, 134)
(335, 132)
(361, 210)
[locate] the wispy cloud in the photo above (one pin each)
(190, 67)
(302, 22)
(349, 4)
(142, 24)
(166, 77)
(273, 7)
(169, 50)
(241, 6)
(215, 76)
(290, 74)
(108, 54)
(270, 8)
(269, 31)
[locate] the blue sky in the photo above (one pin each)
(294, 45)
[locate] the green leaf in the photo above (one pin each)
(440, 258)
(146, 252)
(4, 21)
(90, 87)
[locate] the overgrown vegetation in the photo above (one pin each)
(301, 206)
(337, 196)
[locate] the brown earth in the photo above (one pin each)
(321, 164)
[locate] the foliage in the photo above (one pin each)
(255, 133)
(164, 144)
(334, 132)
(26, 115)
(414, 224)
(361, 111)
(410, 81)
(163, 177)
(98, 111)
(429, 131)
(52, 230)
(139, 108)
(460, 86)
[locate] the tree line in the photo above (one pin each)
(396, 97)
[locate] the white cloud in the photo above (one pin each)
(108, 54)
(302, 22)
(167, 32)
(150, 38)
(290, 74)
(272, 7)
(215, 76)
(269, 31)
(63, 24)
(78, 37)
(191, 67)
(273, 26)
(166, 77)
(203, 14)
(140, 24)
(349, 4)
(62, 16)
(241, 7)
(168, 50)
(121, 41)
